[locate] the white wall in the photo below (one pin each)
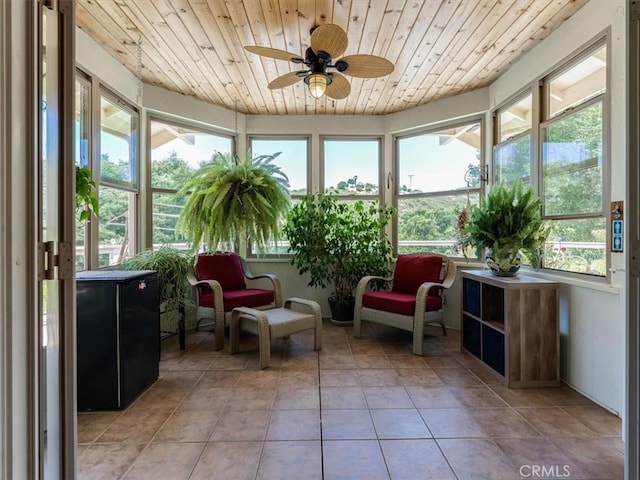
(592, 312)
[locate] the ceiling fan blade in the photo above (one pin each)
(284, 80)
(339, 88)
(329, 38)
(273, 53)
(367, 66)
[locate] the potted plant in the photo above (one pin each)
(507, 225)
(174, 291)
(86, 198)
(229, 200)
(337, 243)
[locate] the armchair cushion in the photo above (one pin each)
(401, 303)
(223, 267)
(411, 271)
(248, 297)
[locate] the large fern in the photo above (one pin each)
(230, 200)
(509, 220)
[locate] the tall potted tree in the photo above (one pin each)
(337, 243)
(229, 200)
(507, 225)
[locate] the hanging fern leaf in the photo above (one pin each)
(229, 200)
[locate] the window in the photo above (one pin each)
(351, 166)
(118, 190)
(176, 152)
(293, 160)
(572, 158)
(82, 141)
(438, 173)
(512, 154)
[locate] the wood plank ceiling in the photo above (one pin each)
(440, 48)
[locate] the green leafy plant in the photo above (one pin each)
(508, 221)
(86, 198)
(172, 267)
(230, 200)
(337, 242)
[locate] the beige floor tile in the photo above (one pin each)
(475, 397)
(250, 398)
(134, 426)
(178, 379)
(347, 425)
(303, 359)
(299, 378)
(93, 424)
(258, 379)
(451, 423)
(441, 361)
(228, 460)
(248, 425)
(503, 422)
(187, 426)
(363, 347)
(418, 376)
(406, 361)
(299, 460)
(415, 459)
(219, 378)
(477, 459)
(598, 457)
(457, 376)
(297, 398)
(173, 461)
(387, 397)
(229, 362)
(372, 361)
(106, 462)
(339, 378)
(206, 399)
(379, 377)
(160, 399)
(488, 376)
(522, 397)
(433, 397)
(353, 460)
(564, 396)
(342, 397)
(597, 419)
(294, 425)
(337, 362)
(399, 423)
(527, 454)
(554, 422)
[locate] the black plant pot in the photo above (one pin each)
(342, 310)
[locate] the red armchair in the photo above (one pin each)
(416, 297)
(220, 280)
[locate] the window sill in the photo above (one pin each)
(599, 285)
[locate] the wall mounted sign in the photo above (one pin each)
(617, 226)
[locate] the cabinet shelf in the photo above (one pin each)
(511, 325)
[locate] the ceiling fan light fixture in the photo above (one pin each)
(317, 84)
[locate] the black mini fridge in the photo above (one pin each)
(118, 337)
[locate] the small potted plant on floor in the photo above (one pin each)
(507, 225)
(337, 243)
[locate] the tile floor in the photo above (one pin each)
(358, 409)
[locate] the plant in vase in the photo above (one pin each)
(337, 243)
(229, 200)
(507, 225)
(86, 198)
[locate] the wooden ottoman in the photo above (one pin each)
(275, 323)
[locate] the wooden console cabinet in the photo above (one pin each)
(511, 324)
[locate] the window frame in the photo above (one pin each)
(148, 181)
(396, 197)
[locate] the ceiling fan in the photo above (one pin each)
(324, 75)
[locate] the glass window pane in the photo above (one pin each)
(577, 246)
(438, 161)
(515, 119)
(292, 159)
(118, 151)
(82, 123)
(513, 160)
(352, 166)
(116, 225)
(572, 163)
(577, 84)
(429, 223)
(178, 151)
(166, 210)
